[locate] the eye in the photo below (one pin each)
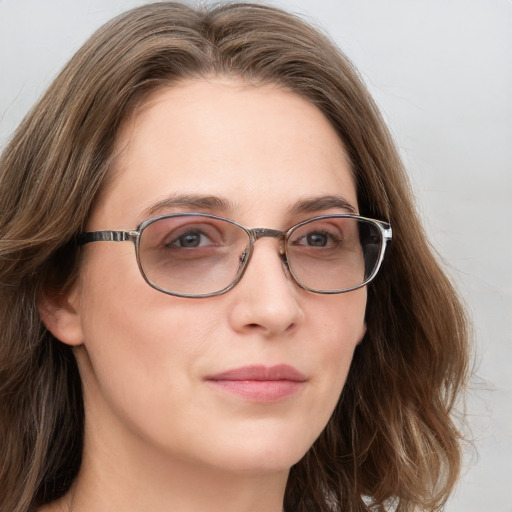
(317, 238)
(190, 240)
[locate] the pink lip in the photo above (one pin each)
(260, 383)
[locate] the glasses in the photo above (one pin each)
(201, 255)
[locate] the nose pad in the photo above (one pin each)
(265, 301)
(286, 265)
(243, 259)
(282, 256)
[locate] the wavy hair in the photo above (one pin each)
(391, 442)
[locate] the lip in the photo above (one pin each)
(263, 384)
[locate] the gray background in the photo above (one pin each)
(441, 71)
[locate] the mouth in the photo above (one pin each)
(260, 384)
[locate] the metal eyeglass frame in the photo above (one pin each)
(254, 234)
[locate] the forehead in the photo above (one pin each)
(229, 139)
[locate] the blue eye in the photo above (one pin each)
(317, 239)
(190, 240)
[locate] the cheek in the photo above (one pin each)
(341, 320)
(137, 341)
(341, 328)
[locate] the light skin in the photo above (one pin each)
(158, 434)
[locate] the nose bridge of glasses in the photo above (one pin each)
(258, 233)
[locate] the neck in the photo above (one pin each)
(126, 475)
(180, 486)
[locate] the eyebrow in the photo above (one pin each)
(218, 204)
(191, 202)
(316, 204)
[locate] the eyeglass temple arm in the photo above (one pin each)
(106, 236)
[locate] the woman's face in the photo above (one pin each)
(177, 376)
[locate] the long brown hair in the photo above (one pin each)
(391, 442)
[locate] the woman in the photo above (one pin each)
(246, 356)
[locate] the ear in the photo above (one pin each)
(60, 314)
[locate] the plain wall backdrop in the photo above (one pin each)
(441, 72)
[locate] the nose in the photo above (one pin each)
(266, 300)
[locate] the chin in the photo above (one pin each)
(263, 454)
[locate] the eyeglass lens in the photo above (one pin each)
(196, 255)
